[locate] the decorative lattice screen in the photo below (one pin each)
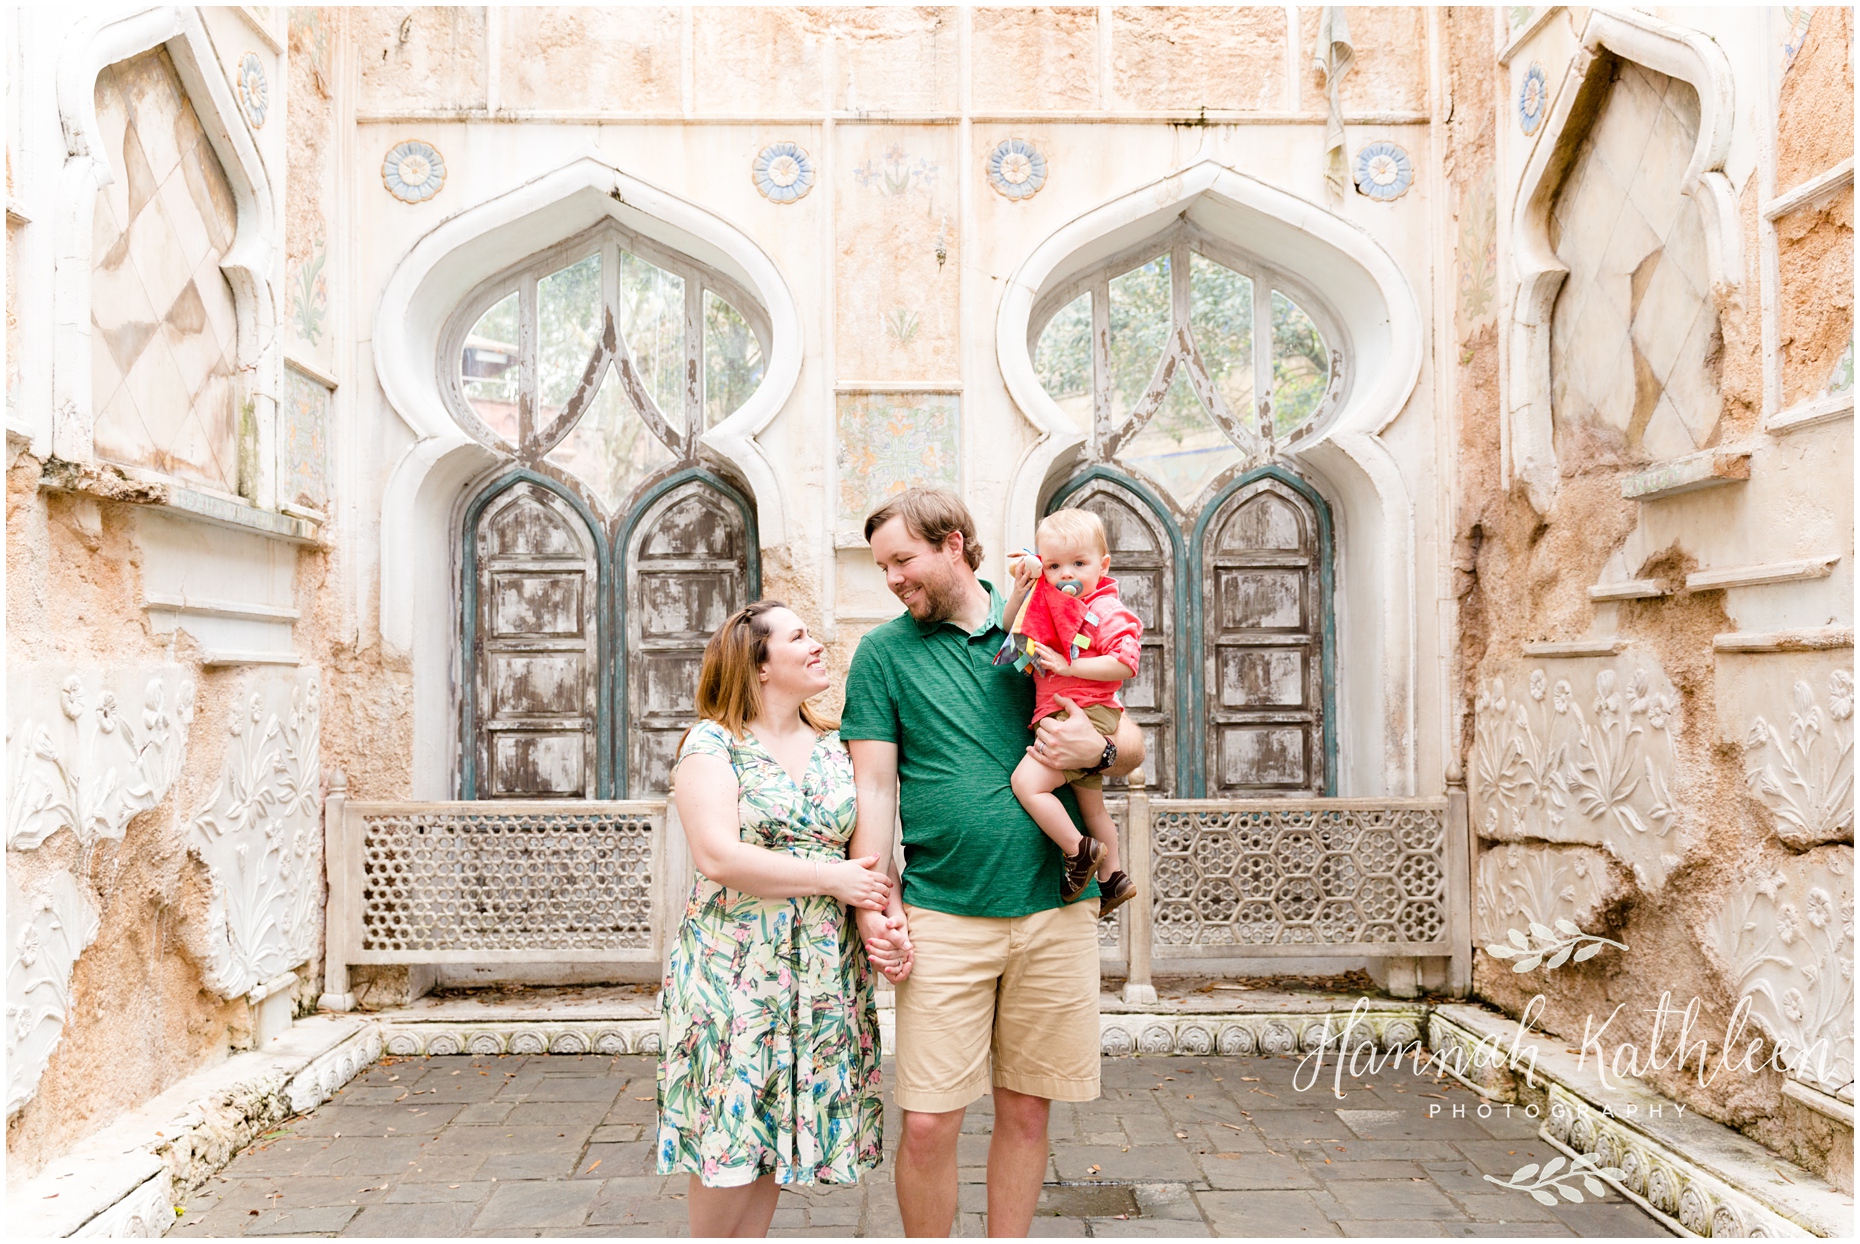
(1228, 878)
(491, 881)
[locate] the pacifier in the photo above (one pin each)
(1070, 589)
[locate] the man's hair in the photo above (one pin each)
(930, 514)
(1075, 527)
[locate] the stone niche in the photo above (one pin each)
(1634, 335)
(164, 331)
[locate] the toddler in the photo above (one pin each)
(1082, 643)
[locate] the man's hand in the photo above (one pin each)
(887, 942)
(1069, 742)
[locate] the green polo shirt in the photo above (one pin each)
(960, 723)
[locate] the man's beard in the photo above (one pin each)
(938, 599)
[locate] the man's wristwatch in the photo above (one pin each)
(1107, 760)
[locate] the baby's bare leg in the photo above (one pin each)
(1034, 784)
(1098, 824)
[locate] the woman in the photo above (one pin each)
(770, 1069)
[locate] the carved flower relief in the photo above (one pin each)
(1383, 173)
(49, 924)
(1518, 884)
(1542, 768)
(783, 173)
(1786, 945)
(254, 91)
(1016, 169)
(1533, 98)
(257, 833)
(413, 171)
(85, 765)
(1806, 776)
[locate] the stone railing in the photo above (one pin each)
(502, 882)
(1223, 886)
(1226, 885)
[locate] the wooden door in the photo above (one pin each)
(536, 651)
(686, 572)
(1264, 633)
(1143, 563)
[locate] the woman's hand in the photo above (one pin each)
(887, 942)
(856, 883)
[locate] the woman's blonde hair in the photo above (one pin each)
(729, 690)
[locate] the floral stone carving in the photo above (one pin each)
(1383, 172)
(88, 751)
(259, 833)
(48, 925)
(413, 171)
(783, 173)
(1546, 767)
(1806, 779)
(1016, 169)
(1517, 885)
(1787, 945)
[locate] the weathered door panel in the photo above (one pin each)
(1264, 637)
(536, 651)
(1142, 561)
(687, 570)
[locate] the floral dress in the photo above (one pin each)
(771, 1048)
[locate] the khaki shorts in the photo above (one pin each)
(1020, 993)
(1104, 720)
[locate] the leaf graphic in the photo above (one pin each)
(1569, 1193)
(1518, 939)
(1538, 930)
(1558, 959)
(1501, 952)
(1541, 1197)
(1589, 952)
(1552, 1167)
(1595, 1186)
(1527, 963)
(1565, 925)
(1523, 1173)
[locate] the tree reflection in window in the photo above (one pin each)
(605, 360)
(1183, 381)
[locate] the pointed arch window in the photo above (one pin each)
(594, 370)
(603, 361)
(1188, 361)
(1194, 372)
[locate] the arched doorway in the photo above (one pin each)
(594, 570)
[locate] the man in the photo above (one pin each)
(992, 967)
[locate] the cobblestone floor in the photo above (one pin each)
(560, 1145)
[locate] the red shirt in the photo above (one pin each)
(1106, 629)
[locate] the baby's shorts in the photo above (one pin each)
(1104, 720)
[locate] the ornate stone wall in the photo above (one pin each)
(1656, 659)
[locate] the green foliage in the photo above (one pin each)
(1300, 364)
(733, 363)
(1063, 357)
(1139, 330)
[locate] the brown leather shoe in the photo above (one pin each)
(1080, 866)
(1114, 892)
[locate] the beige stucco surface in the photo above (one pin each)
(897, 267)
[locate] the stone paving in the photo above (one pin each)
(560, 1145)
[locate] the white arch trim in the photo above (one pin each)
(482, 240)
(93, 45)
(1677, 52)
(1381, 317)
